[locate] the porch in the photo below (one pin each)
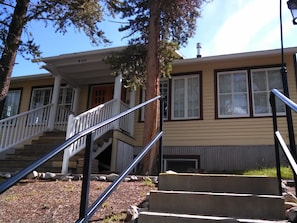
(105, 99)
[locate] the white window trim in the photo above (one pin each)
(218, 95)
(40, 88)
(186, 78)
(269, 113)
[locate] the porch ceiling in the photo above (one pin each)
(83, 68)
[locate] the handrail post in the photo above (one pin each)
(161, 168)
(276, 145)
(84, 201)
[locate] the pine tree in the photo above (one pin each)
(16, 15)
(157, 28)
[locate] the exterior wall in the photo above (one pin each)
(210, 131)
(230, 143)
(26, 85)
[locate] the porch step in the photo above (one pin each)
(22, 157)
(192, 198)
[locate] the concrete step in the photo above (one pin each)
(152, 217)
(219, 183)
(268, 207)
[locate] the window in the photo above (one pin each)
(185, 97)
(40, 97)
(182, 163)
(11, 105)
(239, 97)
(233, 94)
(164, 91)
(66, 97)
(263, 81)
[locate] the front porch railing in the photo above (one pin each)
(19, 128)
(84, 121)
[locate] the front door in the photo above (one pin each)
(101, 94)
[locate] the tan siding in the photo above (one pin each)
(212, 132)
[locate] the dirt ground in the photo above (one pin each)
(59, 201)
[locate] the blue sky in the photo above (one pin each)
(225, 26)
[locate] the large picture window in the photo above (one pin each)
(263, 81)
(245, 93)
(11, 105)
(185, 97)
(233, 94)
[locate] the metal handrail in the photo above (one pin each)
(22, 173)
(278, 140)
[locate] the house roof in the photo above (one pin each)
(84, 68)
(246, 55)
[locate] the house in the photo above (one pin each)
(217, 115)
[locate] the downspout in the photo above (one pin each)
(55, 100)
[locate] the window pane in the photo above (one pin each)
(263, 81)
(179, 98)
(240, 104)
(233, 95)
(11, 105)
(226, 106)
(186, 97)
(164, 88)
(275, 80)
(193, 97)
(259, 81)
(40, 97)
(260, 103)
(225, 83)
(239, 82)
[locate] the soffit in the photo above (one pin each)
(83, 68)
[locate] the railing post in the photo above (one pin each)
(276, 145)
(117, 95)
(84, 201)
(161, 167)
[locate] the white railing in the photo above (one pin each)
(127, 120)
(83, 121)
(19, 128)
(62, 118)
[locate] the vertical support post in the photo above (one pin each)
(117, 95)
(76, 100)
(276, 145)
(84, 200)
(55, 99)
(161, 168)
(132, 115)
(286, 93)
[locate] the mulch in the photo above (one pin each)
(59, 201)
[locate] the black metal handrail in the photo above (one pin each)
(278, 139)
(87, 212)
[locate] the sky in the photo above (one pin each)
(225, 27)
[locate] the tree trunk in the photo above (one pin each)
(9, 53)
(151, 118)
